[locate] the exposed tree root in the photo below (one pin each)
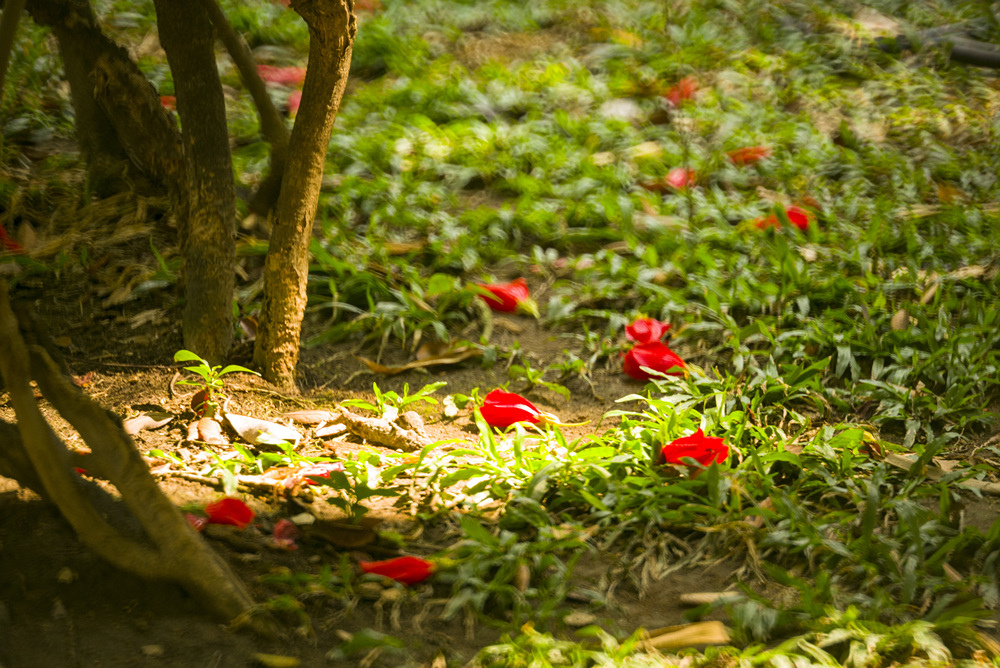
(168, 548)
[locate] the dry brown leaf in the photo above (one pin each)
(311, 417)
(900, 320)
(948, 193)
(704, 597)
(452, 356)
(697, 634)
(209, 431)
(522, 577)
(929, 294)
(330, 430)
(146, 421)
(260, 432)
(433, 349)
(404, 247)
(971, 271)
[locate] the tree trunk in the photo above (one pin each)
(81, 44)
(332, 27)
(208, 227)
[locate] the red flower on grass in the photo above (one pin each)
(748, 155)
(797, 216)
(509, 297)
(408, 570)
(682, 90)
(8, 243)
(703, 449)
(169, 102)
(502, 409)
(646, 330)
(653, 355)
(680, 178)
(229, 510)
(305, 475)
(285, 76)
(197, 522)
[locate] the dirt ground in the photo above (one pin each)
(61, 605)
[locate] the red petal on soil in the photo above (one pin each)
(506, 296)
(408, 570)
(646, 330)
(229, 510)
(656, 356)
(502, 409)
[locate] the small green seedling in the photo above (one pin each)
(205, 401)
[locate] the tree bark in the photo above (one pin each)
(272, 125)
(8, 30)
(208, 227)
(332, 27)
(81, 44)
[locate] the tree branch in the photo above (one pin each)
(272, 125)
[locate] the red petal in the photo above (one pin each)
(197, 522)
(199, 402)
(797, 216)
(703, 449)
(286, 76)
(284, 533)
(229, 510)
(506, 296)
(8, 243)
(408, 570)
(502, 409)
(683, 90)
(321, 470)
(169, 102)
(680, 178)
(294, 101)
(656, 356)
(749, 155)
(646, 330)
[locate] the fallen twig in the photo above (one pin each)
(383, 432)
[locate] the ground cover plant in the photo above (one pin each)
(614, 308)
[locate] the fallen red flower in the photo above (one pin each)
(797, 216)
(682, 90)
(305, 474)
(169, 102)
(229, 510)
(703, 449)
(502, 409)
(408, 570)
(680, 178)
(749, 155)
(284, 534)
(509, 297)
(654, 355)
(197, 522)
(646, 330)
(8, 243)
(294, 102)
(285, 76)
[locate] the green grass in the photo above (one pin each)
(803, 359)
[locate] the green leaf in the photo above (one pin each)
(188, 356)
(236, 367)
